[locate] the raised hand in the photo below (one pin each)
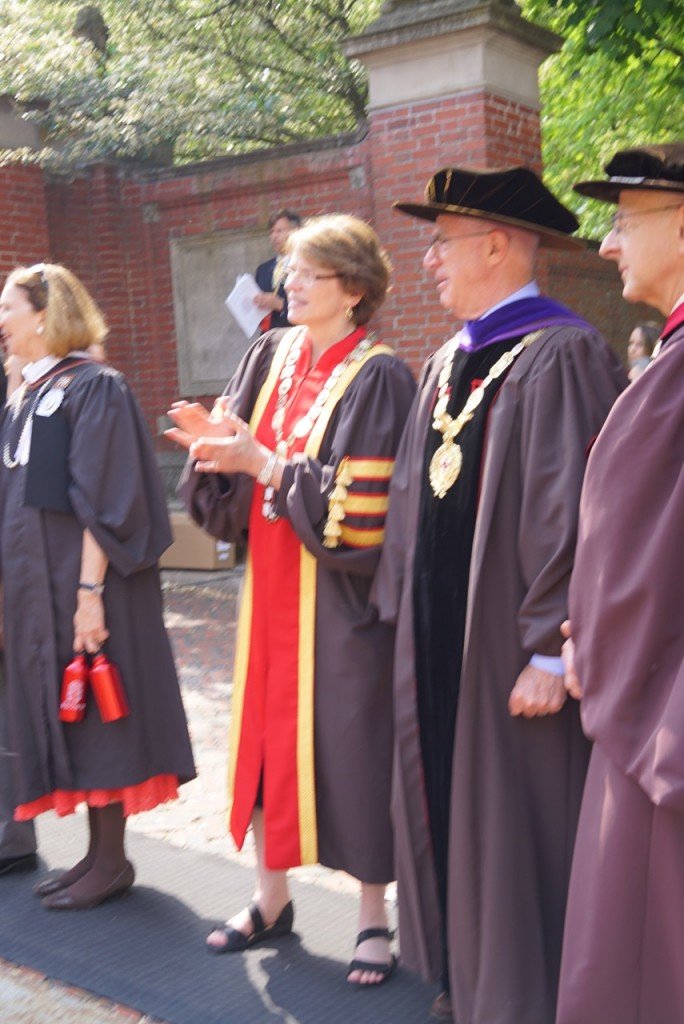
(193, 421)
(236, 453)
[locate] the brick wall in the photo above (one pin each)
(23, 217)
(113, 226)
(407, 145)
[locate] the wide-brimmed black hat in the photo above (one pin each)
(648, 168)
(512, 195)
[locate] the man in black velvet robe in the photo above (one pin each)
(480, 536)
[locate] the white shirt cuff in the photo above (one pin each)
(547, 663)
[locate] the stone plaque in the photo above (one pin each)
(209, 342)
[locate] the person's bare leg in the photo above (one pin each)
(372, 914)
(271, 893)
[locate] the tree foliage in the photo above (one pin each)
(619, 29)
(616, 83)
(199, 77)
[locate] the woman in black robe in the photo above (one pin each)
(83, 521)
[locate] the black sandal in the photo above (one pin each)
(237, 942)
(386, 970)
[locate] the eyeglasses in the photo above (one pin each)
(620, 221)
(440, 242)
(306, 276)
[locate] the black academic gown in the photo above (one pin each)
(100, 473)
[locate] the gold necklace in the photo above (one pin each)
(446, 463)
(305, 423)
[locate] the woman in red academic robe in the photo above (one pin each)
(300, 460)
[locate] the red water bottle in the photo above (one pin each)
(108, 689)
(74, 688)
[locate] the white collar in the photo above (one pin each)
(528, 291)
(34, 371)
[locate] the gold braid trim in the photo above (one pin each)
(360, 538)
(366, 504)
(371, 469)
(332, 531)
(341, 503)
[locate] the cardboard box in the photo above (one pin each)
(192, 548)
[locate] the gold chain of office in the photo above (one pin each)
(446, 463)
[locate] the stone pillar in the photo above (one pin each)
(450, 82)
(23, 215)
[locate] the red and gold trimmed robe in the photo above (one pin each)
(312, 687)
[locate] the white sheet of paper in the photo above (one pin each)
(240, 302)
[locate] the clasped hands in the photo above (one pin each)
(537, 692)
(218, 441)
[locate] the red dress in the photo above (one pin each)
(143, 797)
(270, 732)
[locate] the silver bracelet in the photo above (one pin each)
(265, 474)
(94, 588)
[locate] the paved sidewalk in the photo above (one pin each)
(201, 612)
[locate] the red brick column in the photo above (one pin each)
(449, 85)
(23, 217)
(89, 235)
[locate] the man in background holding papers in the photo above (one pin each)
(272, 299)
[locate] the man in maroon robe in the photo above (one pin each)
(624, 939)
(490, 759)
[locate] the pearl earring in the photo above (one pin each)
(39, 329)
